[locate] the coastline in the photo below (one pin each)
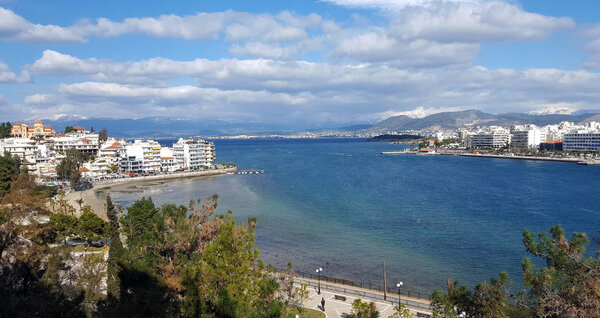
(96, 197)
(534, 158)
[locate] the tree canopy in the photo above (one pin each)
(5, 129)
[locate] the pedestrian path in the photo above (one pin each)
(340, 308)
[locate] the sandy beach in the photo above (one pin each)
(96, 197)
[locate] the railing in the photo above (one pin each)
(369, 295)
(367, 285)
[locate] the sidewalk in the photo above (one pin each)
(339, 308)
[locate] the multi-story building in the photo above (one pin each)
(582, 141)
(23, 130)
(23, 148)
(193, 154)
(141, 156)
(167, 160)
(530, 137)
(490, 140)
(62, 143)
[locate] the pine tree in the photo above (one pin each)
(116, 253)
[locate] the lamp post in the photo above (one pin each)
(399, 284)
(319, 270)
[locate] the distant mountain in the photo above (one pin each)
(595, 118)
(471, 118)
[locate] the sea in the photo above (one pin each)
(340, 205)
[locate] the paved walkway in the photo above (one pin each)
(339, 308)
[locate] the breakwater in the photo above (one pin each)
(497, 156)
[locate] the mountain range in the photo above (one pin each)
(157, 127)
(472, 118)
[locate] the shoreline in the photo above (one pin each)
(96, 197)
(533, 158)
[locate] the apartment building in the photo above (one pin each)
(141, 156)
(194, 154)
(582, 141)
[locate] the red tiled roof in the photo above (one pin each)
(116, 144)
(165, 158)
(39, 121)
(83, 169)
(553, 142)
(16, 125)
(111, 147)
(78, 128)
(60, 135)
(86, 140)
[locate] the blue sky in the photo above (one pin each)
(302, 63)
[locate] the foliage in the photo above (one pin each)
(91, 227)
(9, 169)
(102, 135)
(115, 256)
(30, 270)
(569, 285)
(69, 129)
(68, 167)
(5, 130)
(63, 225)
(46, 191)
(401, 311)
(362, 309)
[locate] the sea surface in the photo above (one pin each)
(341, 205)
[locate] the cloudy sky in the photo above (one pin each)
(302, 63)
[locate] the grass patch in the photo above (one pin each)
(306, 313)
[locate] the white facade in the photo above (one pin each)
(193, 154)
(167, 160)
(141, 156)
(86, 145)
(527, 138)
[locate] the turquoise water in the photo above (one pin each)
(428, 217)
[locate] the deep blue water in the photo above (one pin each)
(428, 217)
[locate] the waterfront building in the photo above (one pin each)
(552, 145)
(530, 137)
(582, 141)
(167, 160)
(23, 130)
(141, 156)
(490, 140)
(192, 154)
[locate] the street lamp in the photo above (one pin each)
(319, 270)
(399, 285)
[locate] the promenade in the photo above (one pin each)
(340, 308)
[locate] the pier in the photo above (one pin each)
(250, 171)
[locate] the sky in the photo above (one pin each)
(325, 63)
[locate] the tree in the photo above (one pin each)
(362, 309)
(569, 285)
(9, 169)
(63, 225)
(115, 253)
(5, 129)
(67, 168)
(401, 311)
(102, 135)
(69, 129)
(90, 227)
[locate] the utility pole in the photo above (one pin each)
(384, 283)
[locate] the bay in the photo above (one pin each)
(340, 202)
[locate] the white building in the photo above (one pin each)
(23, 148)
(141, 156)
(167, 160)
(62, 143)
(529, 137)
(193, 154)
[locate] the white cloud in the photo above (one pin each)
(13, 27)
(40, 99)
(393, 4)
(475, 22)
(7, 76)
